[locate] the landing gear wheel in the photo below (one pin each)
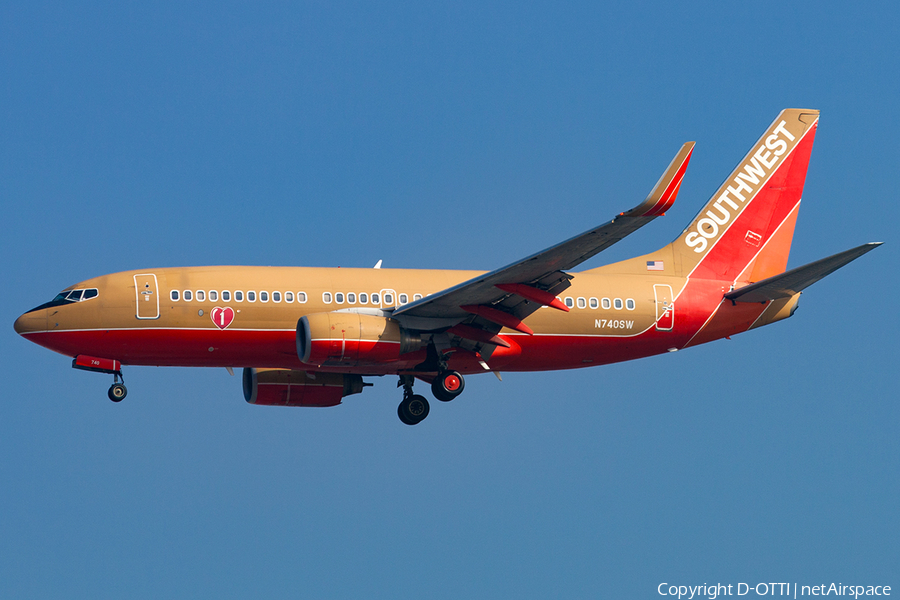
(117, 392)
(448, 385)
(402, 415)
(413, 409)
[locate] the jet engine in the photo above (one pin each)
(350, 339)
(284, 387)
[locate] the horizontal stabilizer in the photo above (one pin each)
(796, 280)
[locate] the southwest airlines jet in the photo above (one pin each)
(309, 336)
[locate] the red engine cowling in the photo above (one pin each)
(349, 339)
(283, 387)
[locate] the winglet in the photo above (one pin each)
(663, 194)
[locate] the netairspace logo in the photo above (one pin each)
(793, 590)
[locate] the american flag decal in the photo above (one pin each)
(654, 265)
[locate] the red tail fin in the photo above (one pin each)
(744, 233)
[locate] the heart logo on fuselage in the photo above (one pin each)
(222, 317)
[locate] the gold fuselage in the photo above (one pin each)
(614, 316)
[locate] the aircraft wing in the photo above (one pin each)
(796, 280)
(536, 280)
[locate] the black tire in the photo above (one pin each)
(448, 385)
(403, 418)
(413, 410)
(117, 392)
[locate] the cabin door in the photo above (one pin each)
(665, 308)
(147, 296)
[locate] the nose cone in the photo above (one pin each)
(35, 320)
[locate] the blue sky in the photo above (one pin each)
(463, 135)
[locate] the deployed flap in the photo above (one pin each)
(544, 269)
(796, 280)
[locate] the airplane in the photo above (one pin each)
(308, 336)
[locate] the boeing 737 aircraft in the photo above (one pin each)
(308, 336)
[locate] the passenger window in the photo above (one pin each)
(91, 293)
(363, 298)
(417, 297)
(251, 296)
(201, 295)
(593, 303)
(301, 297)
(289, 296)
(570, 302)
(276, 296)
(375, 299)
(188, 296)
(213, 295)
(618, 303)
(404, 298)
(339, 298)
(629, 304)
(226, 296)
(605, 304)
(239, 296)
(351, 298)
(389, 299)
(264, 296)
(582, 303)
(326, 297)
(174, 295)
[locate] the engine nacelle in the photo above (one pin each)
(283, 387)
(350, 339)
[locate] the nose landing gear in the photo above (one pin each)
(117, 390)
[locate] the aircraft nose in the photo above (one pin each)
(35, 320)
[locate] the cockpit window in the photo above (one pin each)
(77, 295)
(70, 296)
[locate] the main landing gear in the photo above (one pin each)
(414, 408)
(447, 385)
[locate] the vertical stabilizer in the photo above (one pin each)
(744, 233)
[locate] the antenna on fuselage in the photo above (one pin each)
(377, 265)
